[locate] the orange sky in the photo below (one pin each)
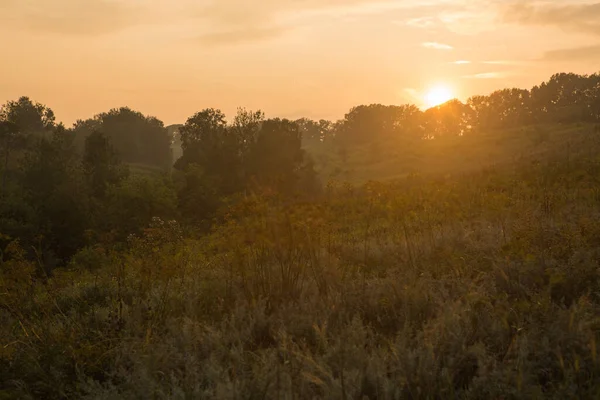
(290, 58)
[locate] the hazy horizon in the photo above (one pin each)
(291, 59)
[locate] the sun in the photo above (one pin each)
(438, 95)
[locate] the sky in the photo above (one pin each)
(289, 58)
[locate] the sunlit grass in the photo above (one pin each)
(482, 284)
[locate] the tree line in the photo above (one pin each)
(564, 98)
(63, 189)
(107, 177)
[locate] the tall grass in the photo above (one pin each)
(479, 285)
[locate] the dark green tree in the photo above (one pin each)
(138, 139)
(101, 164)
(56, 191)
(277, 160)
(211, 163)
(29, 117)
(131, 204)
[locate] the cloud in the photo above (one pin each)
(233, 37)
(504, 62)
(575, 17)
(485, 75)
(219, 22)
(464, 17)
(461, 62)
(572, 54)
(422, 22)
(228, 17)
(437, 46)
(70, 17)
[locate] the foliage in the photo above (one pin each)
(220, 160)
(101, 164)
(135, 137)
(473, 273)
(481, 286)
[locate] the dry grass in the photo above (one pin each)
(484, 285)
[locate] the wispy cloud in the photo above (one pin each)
(70, 17)
(421, 22)
(575, 53)
(437, 46)
(230, 18)
(241, 36)
(504, 62)
(461, 62)
(577, 16)
(486, 75)
(225, 21)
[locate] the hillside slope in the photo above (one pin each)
(390, 160)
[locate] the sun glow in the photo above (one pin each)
(438, 95)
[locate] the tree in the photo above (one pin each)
(8, 136)
(198, 197)
(449, 119)
(314, 132)
(54, 188)
(27, 116)
(505, 108)
(246, 128)
(378, 122)
(20, 122)
(101, 164)
(136, 138)
(564, 98)
(211, 160)
(276, 159)
(132, 203)
(201, 136)
(208, 142)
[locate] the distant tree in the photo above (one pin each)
(8, 137)
(276, 156)
(246, 127)
(132, 203)
(20, 122)
(29, 117)
(101, 164)
(136, 138)
(309, 129)
(220, 160)
(202, 135)
(198, 197)
(592, 94)
(54, 188)
(314, 132)
(564, 98)
(452, 118)
(505, 108)
(378, 122)
(325, 130)
(211, 160)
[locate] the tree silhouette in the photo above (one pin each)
(135, 137)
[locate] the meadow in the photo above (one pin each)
(468, 269)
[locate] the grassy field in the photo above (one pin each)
(477, 278)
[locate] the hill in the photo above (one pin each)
(449, 253)
(483, 283)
